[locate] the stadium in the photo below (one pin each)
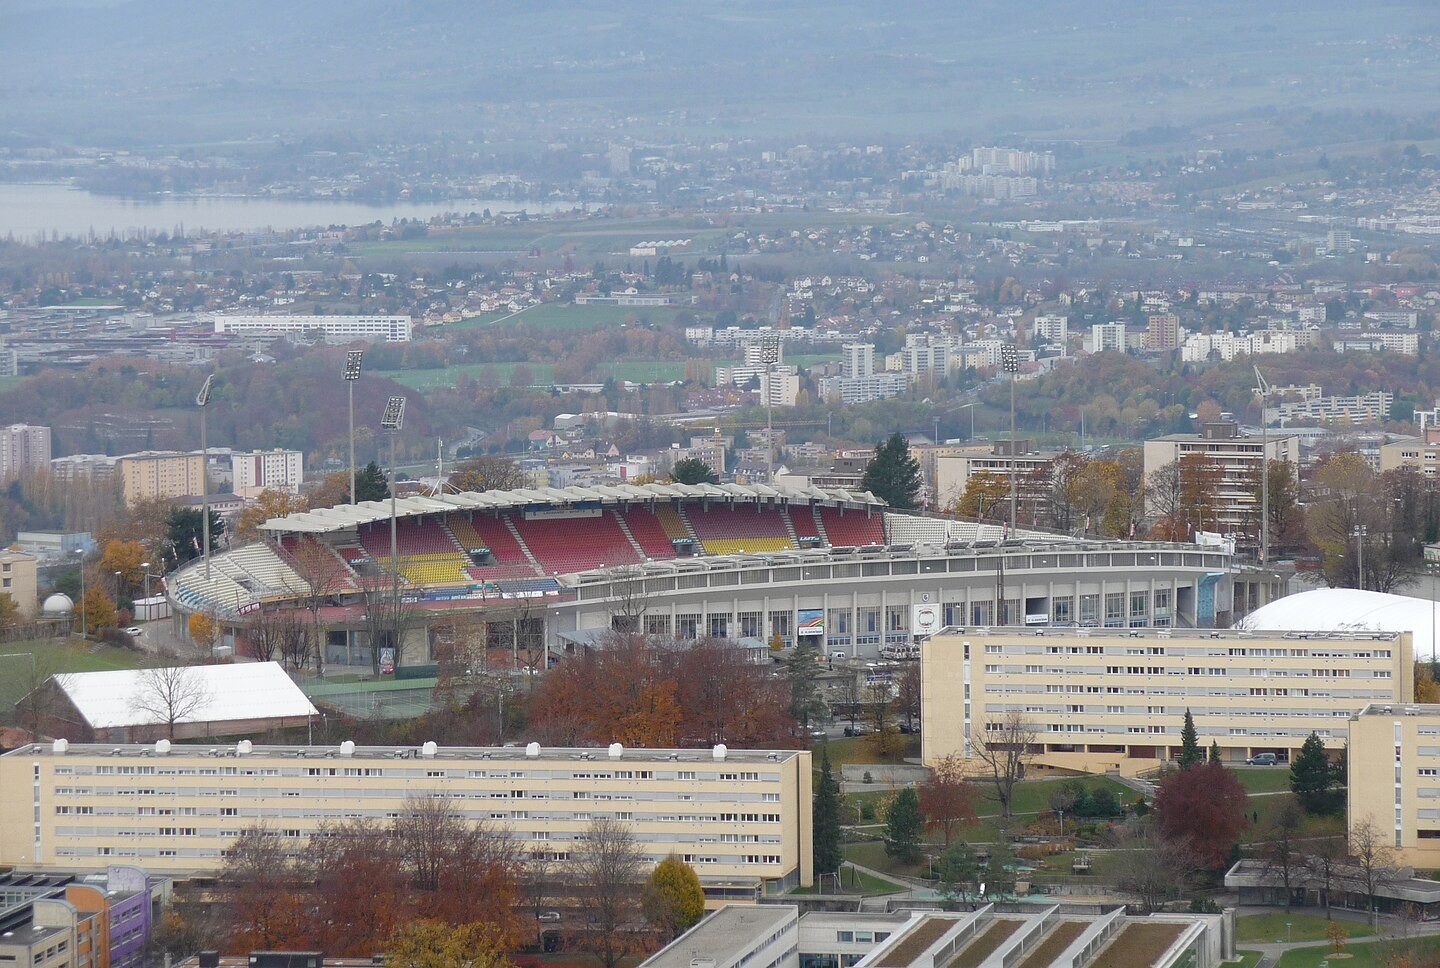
(559, 566)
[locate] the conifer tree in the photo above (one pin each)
(826, 821)
(893, 474)
(1190, 752)
(1314, 779)
(903, 825)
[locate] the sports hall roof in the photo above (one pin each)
(343, 517)
(245, 690)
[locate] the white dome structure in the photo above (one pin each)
(1349, 609)
(58, 604)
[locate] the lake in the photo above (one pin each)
(28, 210)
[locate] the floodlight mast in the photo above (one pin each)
(392, 420)
(353, 359)
(770, 355)
(202, 399)
(1010, 363)
(1263, 387)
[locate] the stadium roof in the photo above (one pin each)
(1348, 610)
(345, 516)
(246, 690)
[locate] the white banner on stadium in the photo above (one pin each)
(925, 619)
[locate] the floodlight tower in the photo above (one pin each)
(1010, 363)
(392, 420)
(201, 400)
(353, 359)
(1262, 387)
(769, 355)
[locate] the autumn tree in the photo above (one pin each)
(489, 472)
(257, 888)
(947, 798)
(268, 504)
(608, 867)
(169, 695)
(354, 868)
(97, 608)
(272, 635)
(434, 944)
(9, 610)
(324, 575)
(1182, 496)
(984, 491)
(673, 900)
(1005, 747)
(125, 558)
(1202, 811)
(908, 695)
(204, 630)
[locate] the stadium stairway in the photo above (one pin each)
(529, 555)
(790, 527)
(629, 536)
(819, 525)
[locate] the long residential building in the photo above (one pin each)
(23, 447)
(387, 329)
(741, 818)
(1115, 701)
(151, 474)
(1238, 458)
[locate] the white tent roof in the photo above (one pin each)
(1349, 610)
(246, 690)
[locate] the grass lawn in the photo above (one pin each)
(860, 750)
(1248, 959)
(1265, 808)
(1262, 779)
(1270, 927)
(1371, 954)
(853, 881)
(873, 855)
(565, 316)
(52, 656)
(446, 376)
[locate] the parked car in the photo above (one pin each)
(548, 916)
(1262, 759)
(134, 631)
(858, 730)
(840, 654)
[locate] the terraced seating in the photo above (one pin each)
(267, 569)
(499, 572)
(413, 536)
(729, 530)
(909, 529)
(564, 545)
(803, 519)
(429, 570)
(649, 532)
(672, 519)
(483, 531)
(852, 528)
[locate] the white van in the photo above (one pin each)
(840, 654)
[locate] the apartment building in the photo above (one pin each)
(1000, 459)
(18, 573)
(1054, 330)
(1108, 336)
(1163, 332)
(152, 474)
(1239, 459)
(1103, 700)
(388, 329)
(1394, 783)
(741, 818)
(276, 470)
(1421, 453)
(23, 447)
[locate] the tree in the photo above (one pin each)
(371, 484)
(9, 610)
(908, 695)
(984, 491)
(125, 557)
(1215, 755)
(1324, 857)
(947, 799)
(268, 635)
(903, 824)
(1314, 779)
(268, 504)
(1190, 754)
(693, 470)
(673, 900)
(893, 474)
(183, 537)
(169, 695)
(433, 944)
(1281, 849)
(1063, 798)
(324, 575)
(204, 630)
(489, 472)
(97, 609)
(1372, 861)
(959, 874)
(257, 888)
(807, 705)
(1202, 810)
(608, 874)
(825, 821)
(1147, 865)
(1004, 746)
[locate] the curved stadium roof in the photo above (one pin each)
(1348, 610)
(345, 516)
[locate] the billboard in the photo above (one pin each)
(925, 619)
(810, 621)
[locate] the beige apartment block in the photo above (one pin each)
(741, 818)
(150, 475)
(17, 579)
(1114, 700)
(1394, 783)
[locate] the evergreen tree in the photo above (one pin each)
(893, 474)
(903, 825)
(1314, 779)
(371, 483)
(182, 534)
(693, 470)
(1190, 753)
(807, 705)
(1215, 752)
(826, 820)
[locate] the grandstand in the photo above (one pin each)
(709, 559)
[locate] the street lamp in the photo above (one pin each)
(1359, 535)
(145, 568)
(971, 407)
(392, 420)
(353, 359)
(201, 399)
(1010, 363)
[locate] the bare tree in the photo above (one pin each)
(324, 575)
(1282, 848)
(537, 889)
(270, 634)
(257, 890)
(629, 601)
(1004, 746)
(1147, 866)
(169, 694)
(1372, 861)
(388, 614)
(1324, 859)
(609, 871)
(907, 694)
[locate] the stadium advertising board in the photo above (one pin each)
(810, 621)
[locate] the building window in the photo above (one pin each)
(1062, 611)
(1089, 609)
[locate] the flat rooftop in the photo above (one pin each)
(1163, 634)
(1392, 709)
(725, 934)
(514, 754)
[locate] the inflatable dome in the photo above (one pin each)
(1349, 609)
